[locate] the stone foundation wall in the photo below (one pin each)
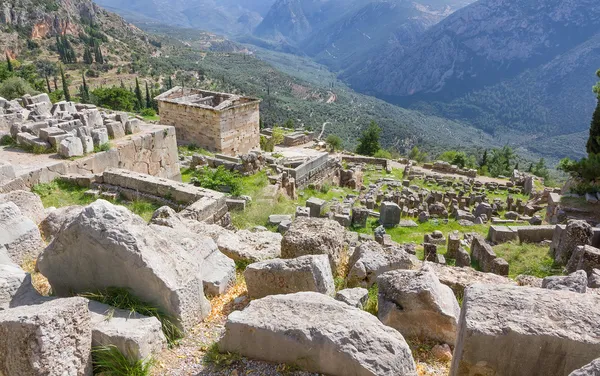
(152, 152)
(367, 160)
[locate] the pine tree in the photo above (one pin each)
(65, 85)
(369, 141)
(148, 97)
(138, 95)
(9, 64)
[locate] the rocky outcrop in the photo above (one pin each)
(592, 369)
(319, 334)
(108, 246)
(504, 329)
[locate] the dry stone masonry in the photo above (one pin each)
(218, 122)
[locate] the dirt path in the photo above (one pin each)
(332, 97)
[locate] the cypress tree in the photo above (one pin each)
(9, 63)
(593, 143)
(87, 56)
(48, 84)
(85, 97)
(148, 97)
(138, 95)
(65, 85)
(170, 86)
(98, 54)
(55, 83)
(484, 160)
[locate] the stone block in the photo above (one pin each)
(54, 338)
(359, 217)
(70, 147)
(320, 325)
(389, 214)
(136, 336)
(115, 130)
(19, 235)
(534, 234)
(316, 206)
(302, 211)
(502, 329)
(100, 136)
(415, 303)
(354, 297)
(279, 276)
(502, 234)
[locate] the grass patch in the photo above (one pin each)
(529, 259)
(371, 305)
(122, 298)
(186, 175)
(109, 361)
(191, 149)
(218, 359)
(60, 193)
(103, 147)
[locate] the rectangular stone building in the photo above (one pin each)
(218, 122)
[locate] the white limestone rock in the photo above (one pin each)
(53, 338)
(319, 334)
(108, 246)
(18, 234)
(279, 276)
(505, 330)
(30, 204)
(415, 303)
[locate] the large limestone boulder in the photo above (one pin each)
(524, 331)
(54, 220)
(54, 338)
(592, 369)
(279, 276)
(416, 304)
(136, 336)
(319, 334)
(29, 203)
(18, 234)
(216, 269)
(250, 246)
(314, 236)
(108, 246)
(371, 259)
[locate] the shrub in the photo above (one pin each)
(219, 360)
(109, 361)
(371, 304)
(334, 141)
(15, 87)
(114, 98)
(382, 153)
(219, 179)
(148, 112)
(368, 143)
(103, 147)
(122, 298)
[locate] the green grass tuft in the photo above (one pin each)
(371, 305)
(103, 147)
(109, 361)
(218, 359)
(122, 298)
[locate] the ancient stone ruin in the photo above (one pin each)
(218, 122)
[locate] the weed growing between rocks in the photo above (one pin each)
(218, 359)
(122, 298)
(371, 305)
(109, 361)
